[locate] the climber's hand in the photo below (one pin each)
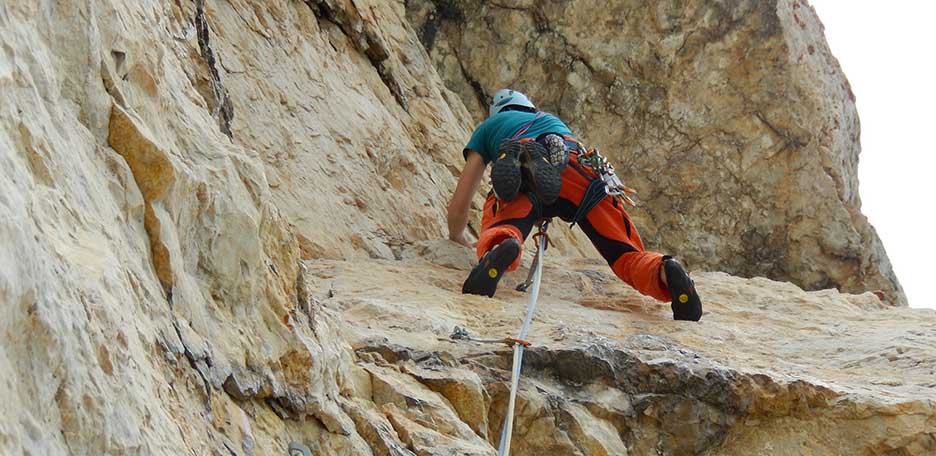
(461, 239)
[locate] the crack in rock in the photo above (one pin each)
(219, 102)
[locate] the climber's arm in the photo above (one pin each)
(467, 187)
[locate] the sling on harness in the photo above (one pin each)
(525, 127)
(523, 287)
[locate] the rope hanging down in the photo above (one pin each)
(519, 343)
(536, 270)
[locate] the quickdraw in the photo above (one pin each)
(525, 285)
(460, 333)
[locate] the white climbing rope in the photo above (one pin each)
(507, 432)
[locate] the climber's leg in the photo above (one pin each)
(504, 227)
(503, 220)
(617, 241)
(614, 235)
(610, 229)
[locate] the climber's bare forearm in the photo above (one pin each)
(460, 203)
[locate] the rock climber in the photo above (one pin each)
(537, 173)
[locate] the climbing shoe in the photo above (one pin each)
(484, 277)
(557, 151)
(539, 174)
(686, 303)
(505, 172)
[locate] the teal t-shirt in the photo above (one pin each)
(503, 125)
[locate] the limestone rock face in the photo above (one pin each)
(165, 167)
(732, 119)
(219, 228)
(770, 369)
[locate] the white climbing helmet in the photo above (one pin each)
(507, 97)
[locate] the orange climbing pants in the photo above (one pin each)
(607, 226)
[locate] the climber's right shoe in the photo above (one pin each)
(685, 300)
(484, 277)
(505, 172)
(542, 177)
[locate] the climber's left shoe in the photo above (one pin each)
(484, 277)
(685, 300)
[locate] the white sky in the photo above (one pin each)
(887, 51)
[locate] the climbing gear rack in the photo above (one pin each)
(605, 183)
(600, 165)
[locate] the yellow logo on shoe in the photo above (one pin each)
(502, 156)
(492, 273)
(683, 298)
